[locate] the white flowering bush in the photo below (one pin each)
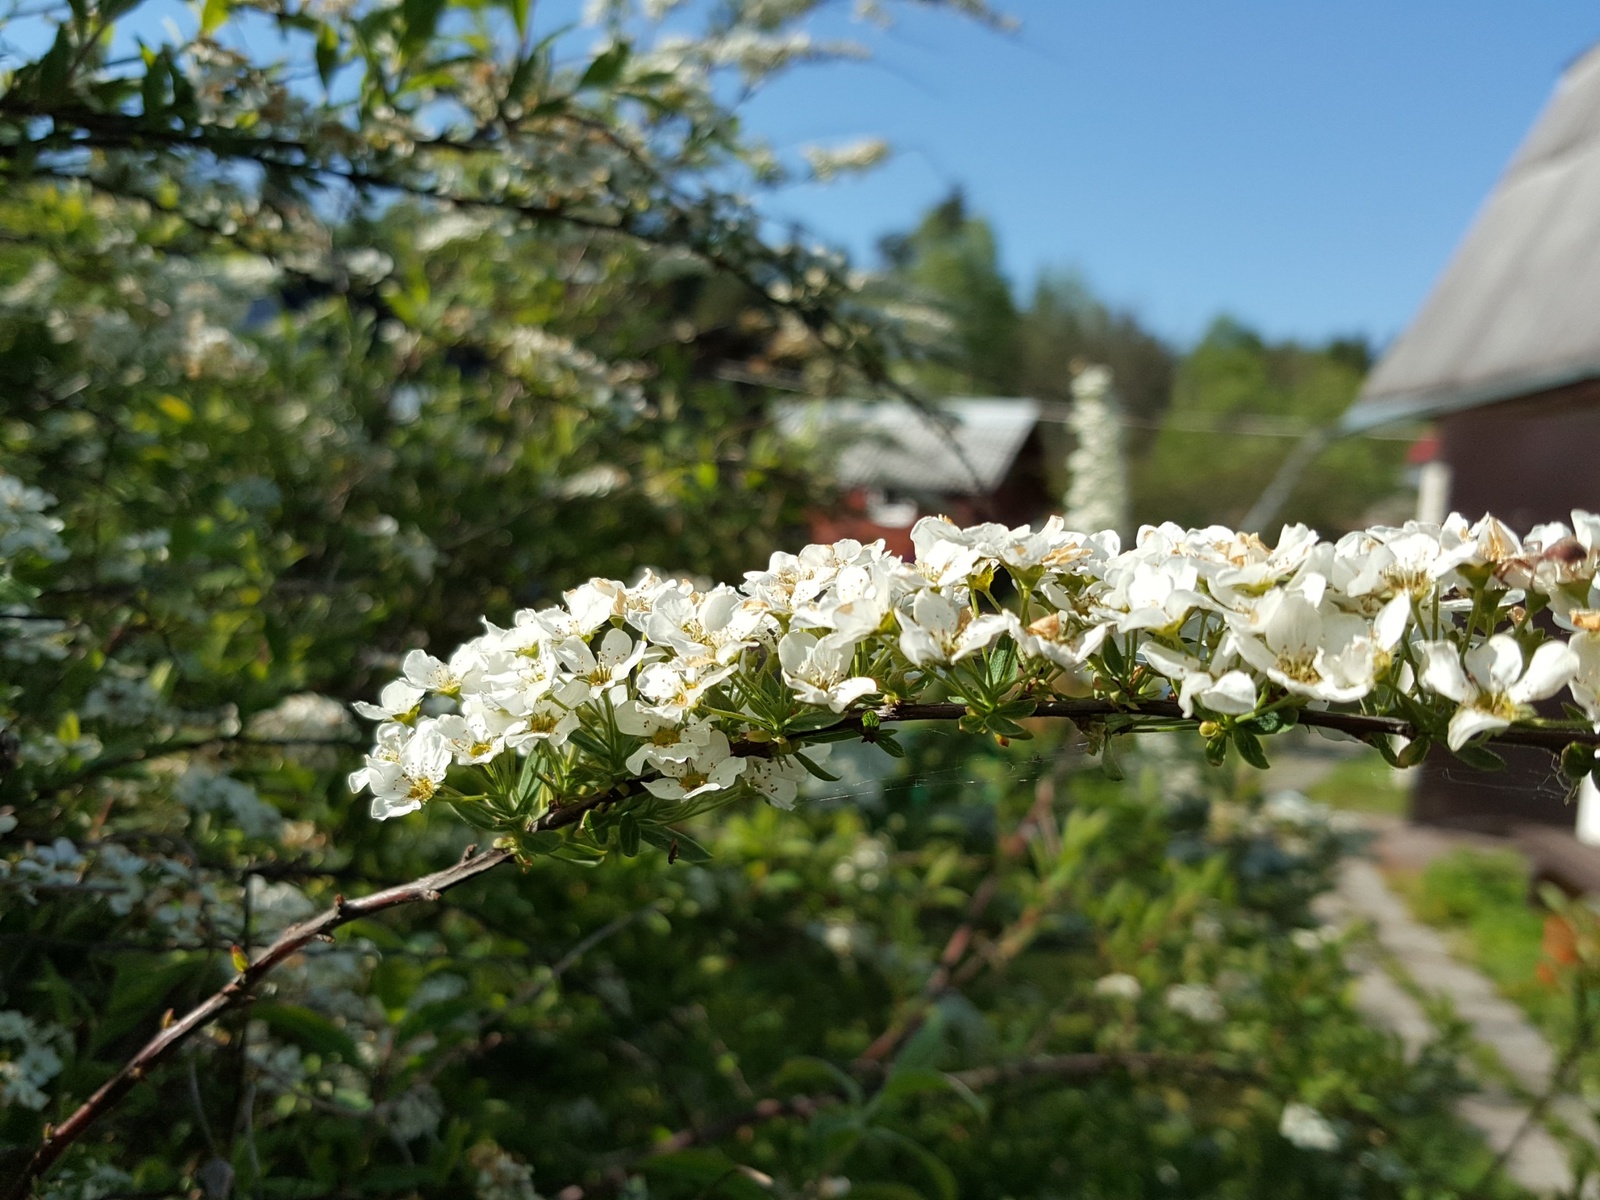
(644, 704)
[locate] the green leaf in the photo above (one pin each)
(923, 1048)
(884, 1191)
(327, 54)
(942, 1178)
(809, 1074)
(1269, 723)
(606, 67)
(420, 19)
(680, 845)
(1480, 758)
(474, 814)
(1249, 747)
(1415, 751)
(628, 835)
(710, 1171)
(1577, 760)
(138, 992)
(810, 722)
(213, 15)
(903, 1085)
(815, 770)
(889, 744)
(1381, 743)
(1111, 655)
(307, 1029)
(55, 64)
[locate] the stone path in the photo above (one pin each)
(1414, 953)
(1537, 1160)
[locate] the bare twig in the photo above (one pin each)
(290, 942)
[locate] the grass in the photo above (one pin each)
(1480, 900)
(1362, 784)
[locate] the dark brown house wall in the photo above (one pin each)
(1526, 461)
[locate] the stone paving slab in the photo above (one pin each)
(1537, 1161)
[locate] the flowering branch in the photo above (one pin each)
(568, 735)
(1400, 637)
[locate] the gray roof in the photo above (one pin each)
(1517, 310)
(889, 444)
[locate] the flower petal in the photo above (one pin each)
(1469, 722)
(1548, 670)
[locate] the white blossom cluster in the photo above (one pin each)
(701, 693)
(1097, 496)
(29, 1059)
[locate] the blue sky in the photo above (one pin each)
(1305, 167)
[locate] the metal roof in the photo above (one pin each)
(964, 450)
(1517, 309)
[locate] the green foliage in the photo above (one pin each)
(314, 378)
(1483, 899)
(1363, 783)
(948, 265)
(1198, 477)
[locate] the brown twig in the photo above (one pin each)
(237, 991)
(1358, 725)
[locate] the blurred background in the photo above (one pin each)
(329, 330)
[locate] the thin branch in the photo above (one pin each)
(1361, 726)
(291, 941)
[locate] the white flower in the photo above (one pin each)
(1118, 986)
(675, 688)
(858, 604)
(474, 737)
(665, 740)
(1152, 595)
(778, 779)
(710, 628)
(23, 525)
(617, 656)
(1305, 1127)
(1328, 657)
(1411, 560)
(1489, 682)
(204, 790)
(425, 672)
(946, 555)
(1197, 1001)
(709, 768)
(1585, 682)
(1216, 689)
(402, 786)
(818, 669)
(26, 1069)
(548, 718)
(397, 702)
(1051, 637)
(596, 602)
(937, 630)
